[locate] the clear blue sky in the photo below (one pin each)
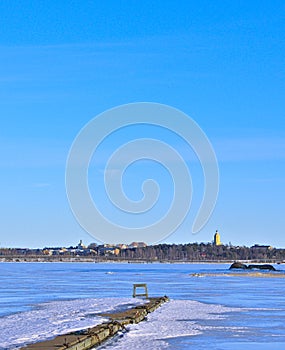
(221, 62)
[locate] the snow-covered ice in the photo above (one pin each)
(177, 318)
(58, 317)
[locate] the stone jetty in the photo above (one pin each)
(91, 337)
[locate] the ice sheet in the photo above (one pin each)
(178, 318)
(58, 317)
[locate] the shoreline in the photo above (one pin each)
(18, 259)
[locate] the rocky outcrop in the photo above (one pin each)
(238, 265)
(262, 267)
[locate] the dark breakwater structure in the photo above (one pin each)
(88, 338)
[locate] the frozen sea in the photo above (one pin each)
(41, 300)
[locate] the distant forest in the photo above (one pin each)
(202, 252)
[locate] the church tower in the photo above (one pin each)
(217, 238)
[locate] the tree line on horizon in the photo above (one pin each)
(202, 251)
(164, 252)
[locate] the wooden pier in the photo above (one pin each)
(91, 337)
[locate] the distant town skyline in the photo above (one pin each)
(141, 252)
(216, 241)
(221, 63)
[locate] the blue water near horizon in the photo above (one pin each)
(25, 286)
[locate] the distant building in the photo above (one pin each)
(81, 245)
(47, 251)
(262, 247)
(217, 238)
(137, 245)
(121, 246)
(109, 251)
